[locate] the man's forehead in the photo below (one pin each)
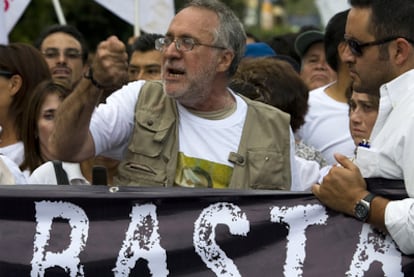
(60, 38)
(151, 54)
(193, 22)
(357, 22)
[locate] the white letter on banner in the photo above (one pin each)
(142, 241)
(298, 218)
(373, 246)
(68, 259)
(205, 234)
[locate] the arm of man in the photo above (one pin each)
(71, 139)
(344, 186)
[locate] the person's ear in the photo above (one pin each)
(401, 50)
(15, 83)
(225, 60)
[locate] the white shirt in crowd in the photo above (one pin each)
(10, 172)
(15, 152)
(327, 126)
(391, 154)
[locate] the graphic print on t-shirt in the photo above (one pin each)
(194, 172)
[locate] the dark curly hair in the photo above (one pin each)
(274, 82)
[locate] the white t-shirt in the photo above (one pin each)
(15, 152)
(112, 126)
(46, 175)
(209, 139)
(10, 172)
(327, 126)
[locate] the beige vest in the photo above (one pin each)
(262, 160)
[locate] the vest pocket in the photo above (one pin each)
(146, 161)
(149, 134)
(265, 170)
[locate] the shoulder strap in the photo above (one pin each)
(61, 176)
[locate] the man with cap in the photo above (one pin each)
(315, 71)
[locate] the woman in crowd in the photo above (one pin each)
(363, 112)
(22, 67)
(38, 125)
(39, 120)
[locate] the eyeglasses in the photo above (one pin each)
(6, 74)
(181, 44)
(69, 53)
(356, 47)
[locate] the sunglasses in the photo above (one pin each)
(356, 47)
(6, 74)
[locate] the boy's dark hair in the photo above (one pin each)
(145, 42)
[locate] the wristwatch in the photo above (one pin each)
(361, 211)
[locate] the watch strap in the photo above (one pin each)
(363, 206)
(369, 197)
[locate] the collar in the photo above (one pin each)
(391, 94)
(397, 89)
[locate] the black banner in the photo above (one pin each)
(135, 231)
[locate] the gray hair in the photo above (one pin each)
(230, 33)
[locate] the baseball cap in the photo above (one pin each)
(259, 49)
(306, 39)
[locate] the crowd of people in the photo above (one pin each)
(204, 105)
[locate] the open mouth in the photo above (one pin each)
(60, 72)
(174, 72)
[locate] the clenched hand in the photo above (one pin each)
(343, 187)
(110, 63)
